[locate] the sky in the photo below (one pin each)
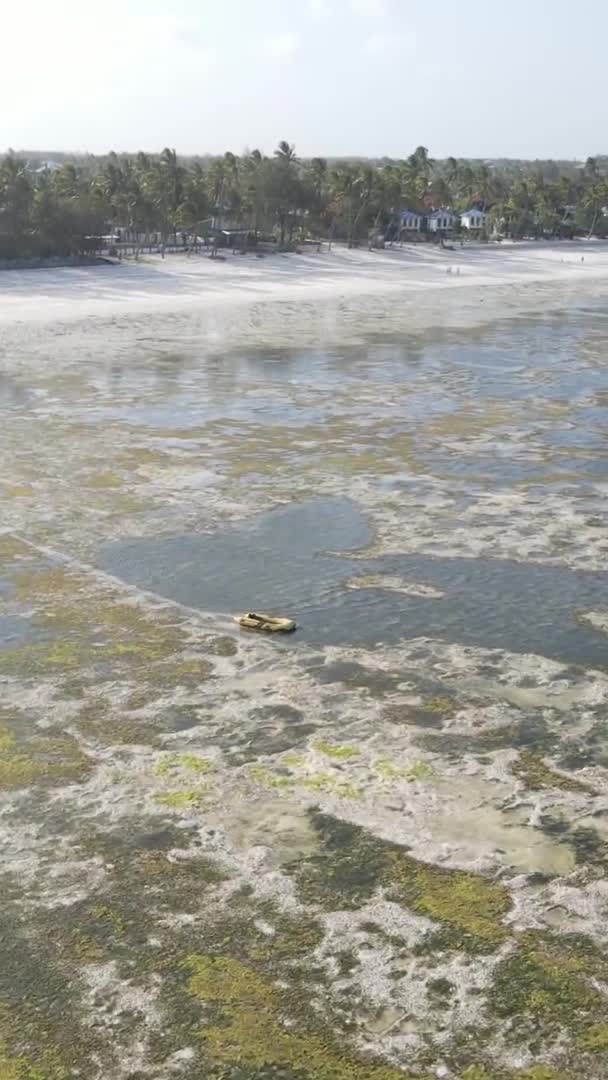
(334, 77)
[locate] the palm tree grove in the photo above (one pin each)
(71, 206)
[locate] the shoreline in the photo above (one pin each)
(180, 284)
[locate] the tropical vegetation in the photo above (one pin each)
(65, 208)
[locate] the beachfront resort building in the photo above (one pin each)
(474, 220)
(441, 221)
(411, 221)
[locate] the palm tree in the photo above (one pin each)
(253, 192)
(16, 195)
(452, 173)
(420, 162)
(223, 186)
(387, 187)
(590, 169)
(486, 186)
(594, 201)
(286, 191)
(286, 153)
(352, 188)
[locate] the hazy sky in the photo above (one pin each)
(525, 78)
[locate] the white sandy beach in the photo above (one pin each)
(178, 283)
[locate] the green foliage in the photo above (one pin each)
(64, 211)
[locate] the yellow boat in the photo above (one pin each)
(270, 624)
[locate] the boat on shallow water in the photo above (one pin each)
(270, 624)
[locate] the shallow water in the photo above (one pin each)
(283, 562)
(517, 407)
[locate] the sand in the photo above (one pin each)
(179, 283)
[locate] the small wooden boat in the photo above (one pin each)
(270, 624)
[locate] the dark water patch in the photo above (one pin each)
(14, 630)
(530, 733)
(284, 714)
(426, 718)
(182, 718)
(162, 840)
(590, 848)
(271, 729)
(590, 750)
(506, 471)
(350, 673)
(281, 562)
(13, 394)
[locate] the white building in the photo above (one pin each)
(48, 166)
(473, 220)
(410, 221)
(441, 221)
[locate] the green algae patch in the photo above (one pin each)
(354, 864)
(172, 767)
(42, 658)
(180, 800)
(535, 1072)
(336, 753)
(55, 581)
(547, 985)
(49, 1067)
(261, 775)
(87, 625)
(47, 761)
(531, 769)
(293, 761)
(9, 1069)
(539, 1072)
(470, 905)
(387, 771)
(17, 491)
(420, 770)
(595, 1038)
(332, 783)
(98, 719)
(189, 762)
(104, 914)
(103, 480)
(249, 1026)
(26, 1051)
(441, 705)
